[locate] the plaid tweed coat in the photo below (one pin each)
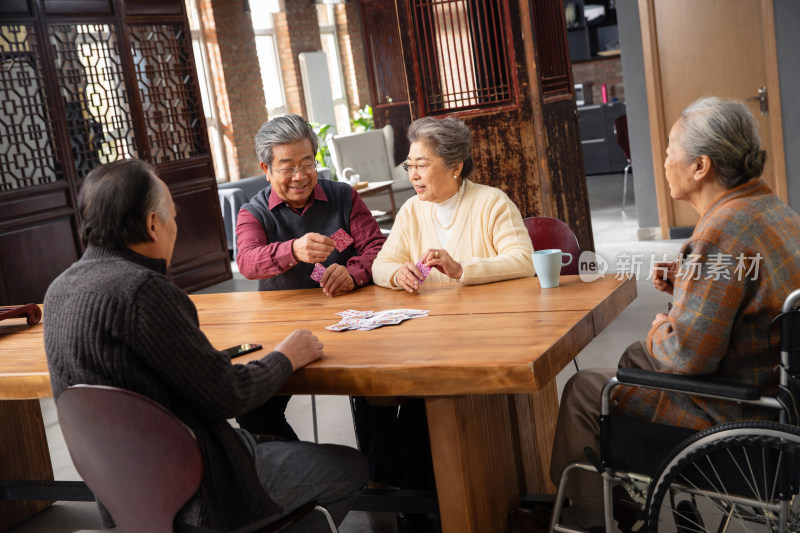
(737, 268)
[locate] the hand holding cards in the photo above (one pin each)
(341, 241)
(424, 270)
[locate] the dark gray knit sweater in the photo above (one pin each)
(113, 318)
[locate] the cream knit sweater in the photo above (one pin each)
(488, 239)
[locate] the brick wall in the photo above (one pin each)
(598, 72)
(296, 31)
(236, 81)
(354, 60)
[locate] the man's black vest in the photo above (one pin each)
(284, 223)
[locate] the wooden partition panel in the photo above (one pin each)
(386, 73)
(85, 83)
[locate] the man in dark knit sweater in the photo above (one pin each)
(285, 229)
(114, 318)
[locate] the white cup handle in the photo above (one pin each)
(562, 258)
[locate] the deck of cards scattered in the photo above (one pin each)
(367, 320)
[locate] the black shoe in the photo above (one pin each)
(261, 438)
(411, 522)
(522, 520)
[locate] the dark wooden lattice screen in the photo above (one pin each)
(86, 83)
(27, 144)
(171, 106)
(465, 55)
(96, 109)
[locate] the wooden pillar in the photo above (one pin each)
(236, 76)
(297, 31)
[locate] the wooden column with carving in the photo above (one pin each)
(524, 119)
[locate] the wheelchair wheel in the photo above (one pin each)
(737, 477)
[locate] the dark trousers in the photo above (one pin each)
(269, 419)
(396, 443)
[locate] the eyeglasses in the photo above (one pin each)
(419, 168)
(289, 172)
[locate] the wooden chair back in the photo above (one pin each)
(138, 458)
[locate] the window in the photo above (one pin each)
(266, 46)
(330, 45)
(465, 54)
(206, 90)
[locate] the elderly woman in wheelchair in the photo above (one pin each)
(709, 366)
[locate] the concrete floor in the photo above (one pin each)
(615, 237)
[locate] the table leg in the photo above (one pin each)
(536, 415)
(475, 456)
(24, 455)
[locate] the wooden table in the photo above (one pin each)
(485, 360)
(377, 187)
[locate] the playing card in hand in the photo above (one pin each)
(319, 270)
(425, 270)
(343, 240)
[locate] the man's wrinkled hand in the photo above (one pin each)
(336, 280)
(312, 248)
(301, 347)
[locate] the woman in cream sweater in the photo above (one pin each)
(464, 231)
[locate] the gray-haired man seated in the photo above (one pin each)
(114, 318)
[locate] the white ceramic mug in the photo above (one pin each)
(547, 264)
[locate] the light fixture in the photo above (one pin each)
(330, 2)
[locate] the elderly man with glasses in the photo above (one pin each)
(285, 230)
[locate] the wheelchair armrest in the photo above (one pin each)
(688, 384)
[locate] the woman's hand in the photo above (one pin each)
(660, 317)
(664, 276)
(443, 262)
(408, 277)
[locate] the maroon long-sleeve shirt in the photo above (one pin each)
(260, 258)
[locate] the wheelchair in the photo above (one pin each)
(741, 476)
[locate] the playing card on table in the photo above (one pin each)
(425, 270)
(319, 270)
(339, 327)
(368, 320)
(352, 313)
(343, 240)
(412, 313)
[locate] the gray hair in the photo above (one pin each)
(282, 130)
(115, 200)
(449, 138)
(726, 132)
